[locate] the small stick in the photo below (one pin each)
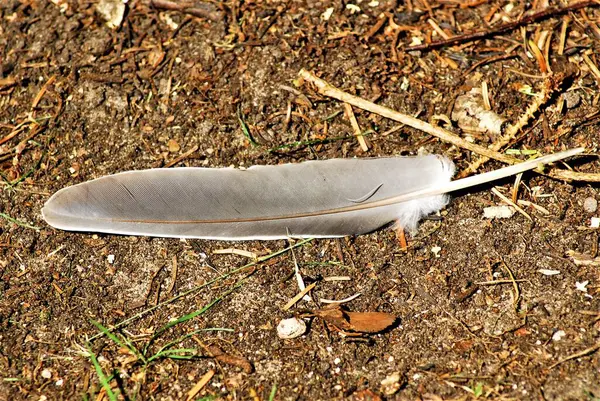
(42, 91)
(200, 385)
(182, 157)
(328, 90)
(197, 9)
(585, 352)
(299, 296)
(528, 19)
(511, 203)
(357, 132)
(340, 301)
(233, 251)
(447, 136)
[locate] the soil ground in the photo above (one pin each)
(79, 100)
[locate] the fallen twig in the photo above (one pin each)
(447, 136)
(328, 90)
(200, 385)
(585, 352)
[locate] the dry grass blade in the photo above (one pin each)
(580, 354)
(299, 296)
(200, 385)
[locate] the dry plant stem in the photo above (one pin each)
(328, 90)
(512, 130)
(528, 19)
(580, 354)
(446, 136)
(197, 9)
(356, 128)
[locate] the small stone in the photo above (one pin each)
(572, 99)
(581, 286)
(558, 335)
(173, 146)
(498, 212)
(291, 328)
(46, 374)
(595, 222)
(548, 272)
(391, 384)
(112, 11)
(590, 205)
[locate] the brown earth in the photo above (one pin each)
(79, 100)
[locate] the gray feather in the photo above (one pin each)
(261, 202)
(329, 198)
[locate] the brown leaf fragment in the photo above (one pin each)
(364, 395)
(361, 322)
(222, 357)
(370, 322)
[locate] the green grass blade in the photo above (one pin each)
(245, 128)
(18, 222)
(273, 392)
(123, 344)
(101, 376)
(199, 287)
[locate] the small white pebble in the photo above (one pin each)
(391, 384)
(327, 14)
(337, 387)
(595, 222)
(337, 361)
(46, 374)
(436, 251)
(353, 8)
(111, 259)
(548, 272)
(59, 382)
(581, 286)
(498, 212)
(558, 335)
(291, 328)
(391, 359)
(590, 205)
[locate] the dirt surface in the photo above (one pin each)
(487, 309)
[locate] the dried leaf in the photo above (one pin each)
(361, 322)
